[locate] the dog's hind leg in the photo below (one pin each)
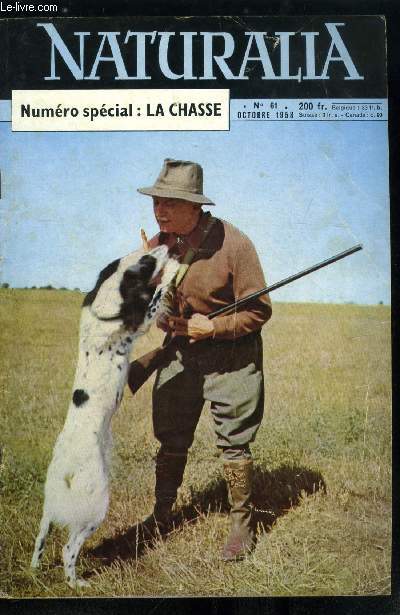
(45, 528)
(71, 552)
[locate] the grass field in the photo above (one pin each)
(323, 463)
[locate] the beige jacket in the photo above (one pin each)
(225, 268)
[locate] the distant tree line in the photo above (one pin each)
(47, 287)
(50, 287)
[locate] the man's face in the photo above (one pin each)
(175, 215)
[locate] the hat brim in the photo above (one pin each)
(175, 193)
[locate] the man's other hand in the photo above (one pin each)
(198, 327)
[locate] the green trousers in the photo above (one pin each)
(226, 373)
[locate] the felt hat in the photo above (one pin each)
(179, 179)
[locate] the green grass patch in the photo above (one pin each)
(323, 463)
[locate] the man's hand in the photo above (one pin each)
(198, 327)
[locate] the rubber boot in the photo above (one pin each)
(170, 467)
(241, 540)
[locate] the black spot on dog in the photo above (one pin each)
(119, 367)
(129, 339)
(109, 348)
(93, 528)
(100, 352)
(79, 397)
(121, 354)
(157, 296)
(103, 276)
(87, 353)
(41, 545)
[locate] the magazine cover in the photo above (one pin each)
(195, 306)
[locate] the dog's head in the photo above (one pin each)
(138, 286)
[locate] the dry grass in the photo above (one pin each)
(327, 423)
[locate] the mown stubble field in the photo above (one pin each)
(323, 463)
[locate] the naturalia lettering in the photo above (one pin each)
(130, 52)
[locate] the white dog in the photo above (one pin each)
(120, 308)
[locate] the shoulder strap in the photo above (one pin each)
(191, 253)
(184, 267)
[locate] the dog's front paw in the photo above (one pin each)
(78, 583)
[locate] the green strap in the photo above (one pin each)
(189, 256)
(184, 266)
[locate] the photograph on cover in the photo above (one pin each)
(281, 484)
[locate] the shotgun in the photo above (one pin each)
(141, 369)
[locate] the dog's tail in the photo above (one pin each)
(44, 530)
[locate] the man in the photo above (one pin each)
(218, 360)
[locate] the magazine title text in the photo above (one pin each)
(131, 55)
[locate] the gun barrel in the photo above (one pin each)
(292, 278)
